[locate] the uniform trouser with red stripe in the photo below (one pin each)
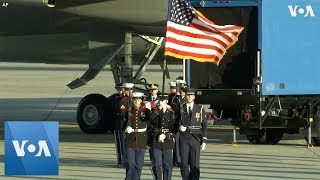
(120, 145)
(190, 156)
(134, 163)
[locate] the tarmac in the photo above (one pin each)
(38, 92)
(83, 156)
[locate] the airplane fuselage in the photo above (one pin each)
(31, 31)
(139, 12)
(32, 16)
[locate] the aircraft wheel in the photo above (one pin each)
(92, 115)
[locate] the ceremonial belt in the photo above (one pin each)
(194, 127)
(140, 130)
(162, 130)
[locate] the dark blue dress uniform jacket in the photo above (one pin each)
(197, 125)
(149, 98)
(163, 121)
(117, 121)
(138, 121)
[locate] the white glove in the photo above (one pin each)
(182, 128)
(203, 146)
(162, 103)
(129, 130)
(161, 137)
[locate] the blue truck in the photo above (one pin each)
(268, 81)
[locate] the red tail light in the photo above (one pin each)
(248, 116)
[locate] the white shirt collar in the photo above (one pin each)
(164, 110)
(153, 97)
(191, 105)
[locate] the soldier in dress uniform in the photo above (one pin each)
(176, 102)
(163, 122)
(173, 90)
(153, 98)
(153, 89)
(118, 123)
(180, 94)
(137, 117)
(126, 99)
(125, 103)
(193, 136)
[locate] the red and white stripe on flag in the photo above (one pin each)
(201, 40)
(153, 104)
(150, 104)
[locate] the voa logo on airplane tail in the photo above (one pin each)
(31, 148)
(297, 10)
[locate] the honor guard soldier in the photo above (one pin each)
(137, 117)
(153, 99)
(179, 96)
(193, 136)
(176, 103)
(126, 100)
(173, 90)
(163, 122)
(118, 121)
(124, 105)
(153, 89)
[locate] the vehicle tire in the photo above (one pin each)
(274, 136)
(252, 139)
(256, 139)
(92, 115)
(315, 141)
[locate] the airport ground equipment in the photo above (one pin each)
(268, 82)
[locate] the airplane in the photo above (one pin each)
(93, 32)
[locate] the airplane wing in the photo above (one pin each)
(78, 31)
(94, 69)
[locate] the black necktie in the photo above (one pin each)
(190, 112)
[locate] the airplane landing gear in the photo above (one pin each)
(92, 114)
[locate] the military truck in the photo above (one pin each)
(268, 81)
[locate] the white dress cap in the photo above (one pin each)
(179, 81)
(173, 83)
(137, 94)
(128, 85)
(153, 86)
